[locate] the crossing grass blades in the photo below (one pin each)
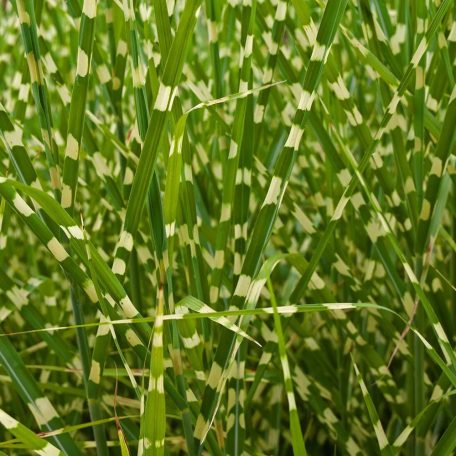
(227, 227)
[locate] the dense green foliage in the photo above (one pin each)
(227, 227)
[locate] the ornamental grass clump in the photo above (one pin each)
(227, 228)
